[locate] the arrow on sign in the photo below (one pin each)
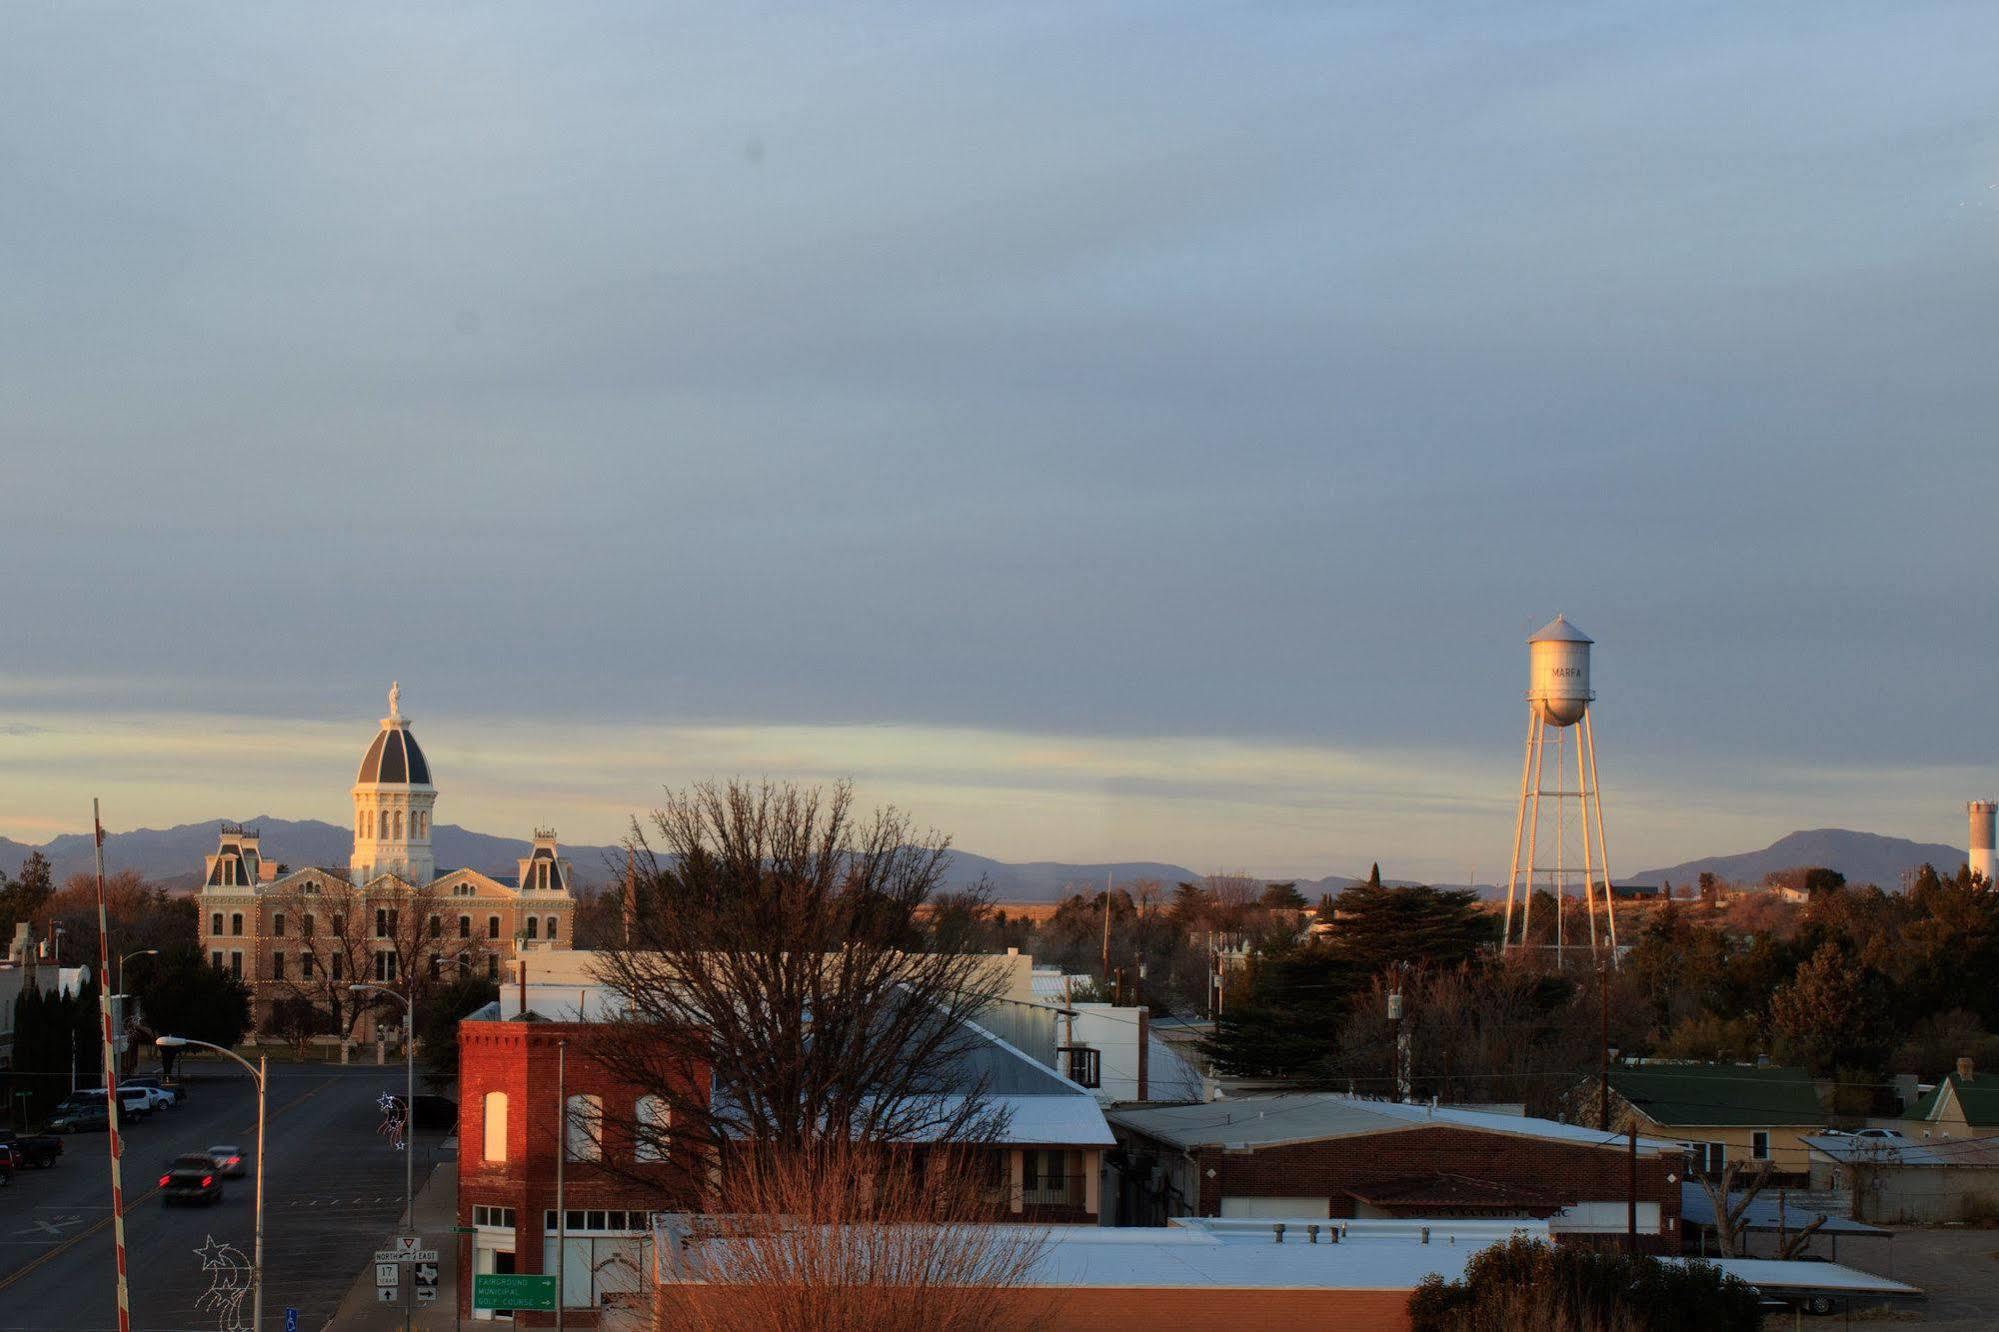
(385, 1294)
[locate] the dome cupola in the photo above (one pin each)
(393, 797)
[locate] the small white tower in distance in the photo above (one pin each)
(1558, 842)
(1980, 856)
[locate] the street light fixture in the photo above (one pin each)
(257, 1256)
(409, 1127)
(143, 952)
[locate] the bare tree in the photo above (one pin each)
(856, 1239)
(338, 934)
(1731, 1207)
(776, 939)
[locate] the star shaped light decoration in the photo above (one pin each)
(211, 1254)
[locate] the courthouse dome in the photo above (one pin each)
(395, 758)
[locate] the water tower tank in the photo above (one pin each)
(1558, 672)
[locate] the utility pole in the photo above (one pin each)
(561, 1152)
(1631, 1195)
(115, 1139)
(1603, 1061)
(1400, 1019)
(1107, 927)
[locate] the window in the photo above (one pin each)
(1046, 1177)
(399, 826)
(305, 965)
(236, 965)
(305, 925)
(436, 926)
(532, 923)
(277, 966)
(381, 923)
(551, 927)
(1085, 1065)
(229, 872)
(492, 927)
(465, 927)
(495, 1119)
(1759, 1145)
(385, 966)
(436, 966)
(236, 923)
(1705, 1158)
(499, 1218)
(278, 925)
(492, 968)
(652, 1118)
(584, 1132)
(215, 923)
(215, 959)
(340, 927)
(338, 965)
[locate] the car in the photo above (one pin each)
(1895, 1135)
(134, 1103)
(80, 1117)
(171, 1092)
(228, 1159)
(190, 1178)
(157, 1098)
(39, 1150)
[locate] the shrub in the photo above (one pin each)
(1526, 1284)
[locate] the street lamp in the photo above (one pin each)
(143, 952)
(409, 1125)
(257, 1256)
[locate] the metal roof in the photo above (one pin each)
(1979, 1153)
(1764, 1213)
(394, 758)
(1288, 1117)
(1719, 1095)
(1559, 630)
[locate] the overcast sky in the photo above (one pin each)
(1109, 430)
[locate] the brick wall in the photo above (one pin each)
(1571, 1173)
(1149, 1309)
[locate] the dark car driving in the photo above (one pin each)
(191, 1178)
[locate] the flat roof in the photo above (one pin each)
(1293, 1117)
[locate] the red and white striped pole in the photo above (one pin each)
(117, 1142)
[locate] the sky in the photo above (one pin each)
(1105, 430)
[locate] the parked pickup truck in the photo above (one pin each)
(39, 1150)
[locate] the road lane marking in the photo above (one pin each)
(99, 1227)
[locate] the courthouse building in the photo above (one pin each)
(389, 916)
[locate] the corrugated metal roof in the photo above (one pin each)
(1979, 1153)
(1765, 1213)
(1720, 1095)
(1284, 1117)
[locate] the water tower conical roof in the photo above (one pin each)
(1559, 630)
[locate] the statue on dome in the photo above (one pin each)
(395, 699)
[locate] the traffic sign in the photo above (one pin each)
(406, 1255)
(426, 1274)
(385, 1294)
(426, 1294)
(513, 1290)
(291, 1320)
(386, 1274)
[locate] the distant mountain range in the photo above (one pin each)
(1861, 857)
(172, 856)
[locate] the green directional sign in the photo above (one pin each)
(493, 1290)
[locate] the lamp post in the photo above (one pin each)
(257, 1254)
(409, 1129)
(143, 952)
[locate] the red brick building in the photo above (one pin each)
(511, 1118)
(1319, 1155)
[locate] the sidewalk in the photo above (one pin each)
(436, 1210)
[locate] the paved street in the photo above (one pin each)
(334, 1192)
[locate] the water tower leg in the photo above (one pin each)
(1519, 829)
(1539, 742)
(1589, 865)
(1602, 846)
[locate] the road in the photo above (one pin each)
(333, 1193)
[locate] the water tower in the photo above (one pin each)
(1979, 853)
(1558, 843)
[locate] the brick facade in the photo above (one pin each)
(1367, 1164)
(519, 1061)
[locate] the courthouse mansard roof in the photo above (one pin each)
(394, 758)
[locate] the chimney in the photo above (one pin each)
(1964, 1069)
